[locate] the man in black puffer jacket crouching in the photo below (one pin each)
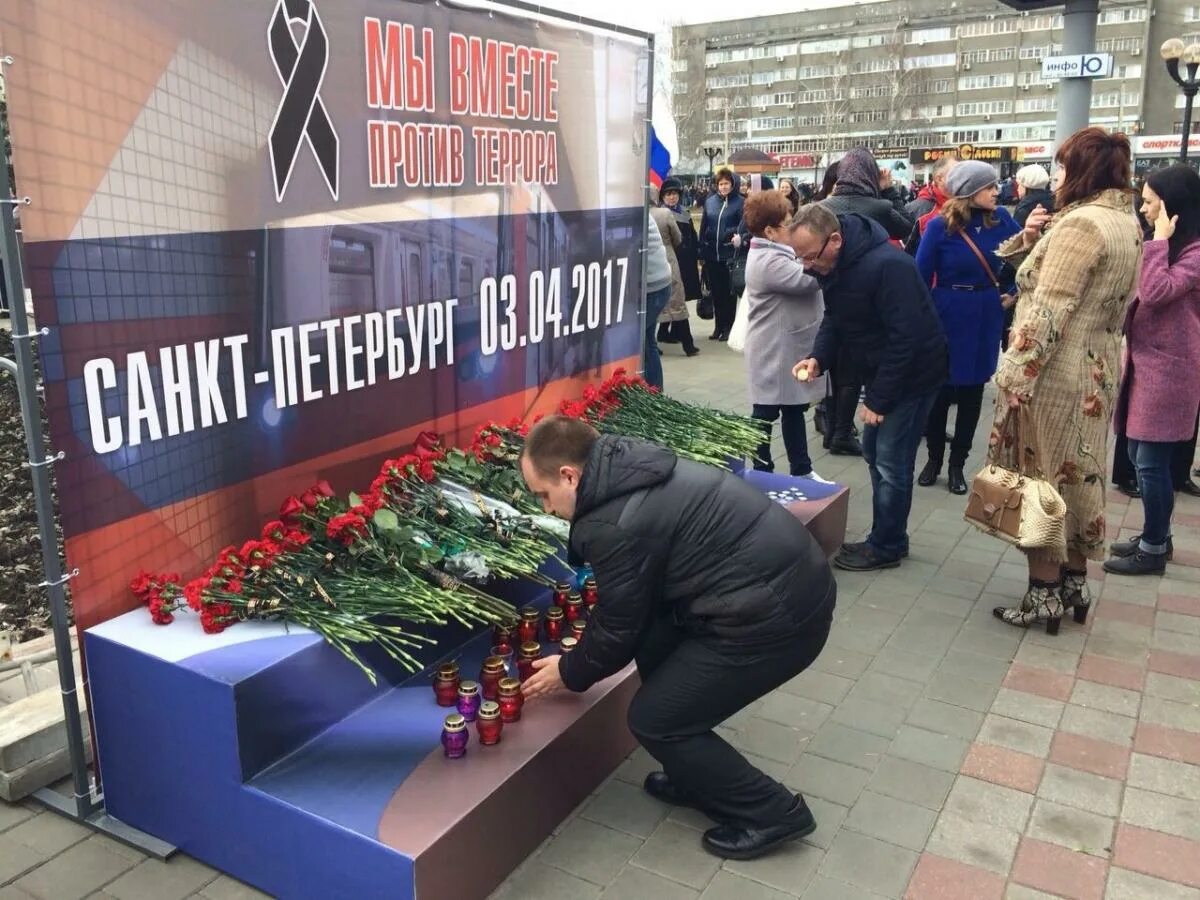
(717, 592)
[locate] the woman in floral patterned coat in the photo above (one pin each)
(1059, 376)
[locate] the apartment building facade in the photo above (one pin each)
(912, 74)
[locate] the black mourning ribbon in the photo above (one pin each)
(301, 112)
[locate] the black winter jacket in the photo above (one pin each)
(667, 536)
(878, 310)
(897, 224)
(1033, 198)
(720, 221)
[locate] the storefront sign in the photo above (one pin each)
(795, 160)
(1162, 144)
(1086, 65)
(966, 151)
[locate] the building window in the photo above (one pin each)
(930, 62)
(724, 81)
(1004, 25)
(980, 82)
(995, 54)
(773, 123)
(352, 273)
(869, 40)
(1120, 45)
(867, 66)
(679, 65)
(924, 35)
(832, 45)
(1042, 23)
(985, 108)
(869, 90)
(1037, 104)
(820, 71)
(1119, 16)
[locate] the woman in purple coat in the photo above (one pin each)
(1160, 390)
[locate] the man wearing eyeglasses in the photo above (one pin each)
(879, 312)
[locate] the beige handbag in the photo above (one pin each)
(1017, 505)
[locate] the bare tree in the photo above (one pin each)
(906, 85)
(835, 108)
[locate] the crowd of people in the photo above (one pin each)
(907, 302)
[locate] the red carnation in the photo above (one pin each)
(141, 584)
(273, 530)
(193, 592)
(291, 509)
(428, 440)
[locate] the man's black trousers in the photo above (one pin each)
(692, 684)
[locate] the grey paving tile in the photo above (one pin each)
(1126, 885)
(822, 888)
(730, 886)
(691, 818)
(1169, 687)
(1075, 829)
(843, 662)
(1082, 790)
(626, 808)
(152, 879)
(891, 820)
(921, 640)
(742, 717)
(47, 833)
(1168, 621)
(947, 604)
(875, 865)
(1185, 716)
(888, 689)
(815, 776)
(637, 766)
(820, 686)
(1106, 698)
(956, 587)
(1028, 708)
(959, 691)
(860, 640)
(1117, 647)
(788, 869)
(956, 664)
(1158, 812)
(870, 618)
(1095, 723)
(1068, 641)
(913, 782)
(1016, 735)
(535, 881)
(1047, 658)
(637, 884)
(974, 843)
(782, 743)
(12, 814)
(1020, 892)
(591, 851)
(934, 715)
(829, 817)
(941, 751)
(229, 888)
(792, 710)
(1175, 642)
(674, 852)
(881, 719)
(996, 641)
(982, 801)
(848, 745)
(912, 666)
(1166, 776)
(76, 872)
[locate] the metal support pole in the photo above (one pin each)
(1075, 94)
(642, 310)
(1190, 95)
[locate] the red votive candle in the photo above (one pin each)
(489, 677)
(468, 700)
(528, 629)
(530, 651)
(568, 644)
(574, 608)
(511, 700)
(455, 736)
(445, 684)
(504, 634)
(489, 724)
(577, 629)
(590, 593)
(562, 590)
(554, 624)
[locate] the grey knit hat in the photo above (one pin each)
(969, 178)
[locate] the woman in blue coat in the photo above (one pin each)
(957, 258)
(720, 222)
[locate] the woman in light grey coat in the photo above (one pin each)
(785, 308)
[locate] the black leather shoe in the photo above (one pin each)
(660, 787)
(863, 558)
(929, 474)
(748, 842)
(845, 446)
(1121, 549)
(692, 351)
(957, 482)
(1138, 564)
(1130, 489)
(715, 336)
(1190, 488)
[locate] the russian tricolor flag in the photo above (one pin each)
(660, 160)
(664, 142)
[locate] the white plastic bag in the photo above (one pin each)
(741, 324)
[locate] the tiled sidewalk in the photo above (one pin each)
(946, 755)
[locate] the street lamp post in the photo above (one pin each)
(712, 153)
(1174, 52)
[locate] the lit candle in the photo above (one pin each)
(528, 629)
(489, 677)
(504, 635)
(562, 590)
(445, 684)
(511, 700)
(530, 651)
(591, 594)
(489, 724)
(574, 608)
(554, 624)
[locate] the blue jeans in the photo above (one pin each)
(1153, 463)
(890, 450)
(656, 302)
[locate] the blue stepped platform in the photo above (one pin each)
(265, 753)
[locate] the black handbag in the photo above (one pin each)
(704, 306)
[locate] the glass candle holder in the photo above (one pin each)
(489, 677)
(568, 644)
(445, 684)
(511, 700)
(455, 736)
(504, 634)
(577, 629)
(530, 651)
(505, 652)
(489, 724)
(591, 595)
(468, 700)
(555, 618)
(528, 629)
(575, 608)
(562, 590)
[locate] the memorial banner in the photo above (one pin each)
(272, 240)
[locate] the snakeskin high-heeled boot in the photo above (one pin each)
(1076, 595)
(1041, 603)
